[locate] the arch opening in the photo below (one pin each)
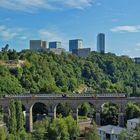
(63, 110)
(39, 111)
(86, 111)
(109, 113)
(132, 110)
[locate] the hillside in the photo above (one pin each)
(50, 73)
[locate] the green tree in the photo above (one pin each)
(19, 116)
(12, 126)
(58, 130)
(41, 129)
(93, 133)
(73, 128)
(2, 133)
(132, 110)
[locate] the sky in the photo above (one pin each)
(62, 20)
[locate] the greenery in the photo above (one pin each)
(93, 133)
(2, 133)
(50, 73)
(109, 114)
(130, 134)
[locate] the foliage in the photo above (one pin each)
(41, 128)
(2, 133)
(12, 126)
(130, 135)
(132, 110)
(19, 116)
(109, 114)
(50, 73)
(73, 128)
(93, 133)
(63, 109)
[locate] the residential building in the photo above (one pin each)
(81, 52)
(37, 45)
(109, 132)
(133, 123)
(55, 44)
(101, 43)
(75, 44)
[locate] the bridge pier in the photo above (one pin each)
(98, 118)
(52, 113)
(29, 120)
(75, 114)
(121, 117)
(5, 115)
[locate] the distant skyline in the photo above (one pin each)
(63, 20)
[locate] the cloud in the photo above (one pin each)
(8, 33)
(54, 35)
(126, 28)
(31, 5)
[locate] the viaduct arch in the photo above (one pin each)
(73, 101)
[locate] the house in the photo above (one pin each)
(109, 132)
(132, 123)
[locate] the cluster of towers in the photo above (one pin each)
(75, 46)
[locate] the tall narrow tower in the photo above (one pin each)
(101, 43)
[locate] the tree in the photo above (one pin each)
(84, 109)
(12, 118)
(109, 114)
(41, 129)
(2, 134)
(73, 128)
(93, 134)
(19, 116)
(58, 130)
(132, 110)
(63, 109)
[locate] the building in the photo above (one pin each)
(101, 43)
(37, 45)
(133, 123)
(75, 44)
(109, 132)
(55, 44)
(56, 50)
(137, 60)
(81, 52)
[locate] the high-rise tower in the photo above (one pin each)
(101, 43)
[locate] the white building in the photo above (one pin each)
(131, 124)
(109, 132)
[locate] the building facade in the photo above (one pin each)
(56, 50)
(37, 45)
(75, 44)
(82, 52)
(137, 60)
(101, 43)
(55, 44)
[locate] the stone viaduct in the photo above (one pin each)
(51, 101)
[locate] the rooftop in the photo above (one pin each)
(111, 129)
(135, 120)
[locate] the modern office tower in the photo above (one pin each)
(75, 44)
(81, 52)
(37, 45)
(55, 44)
(101, 43)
